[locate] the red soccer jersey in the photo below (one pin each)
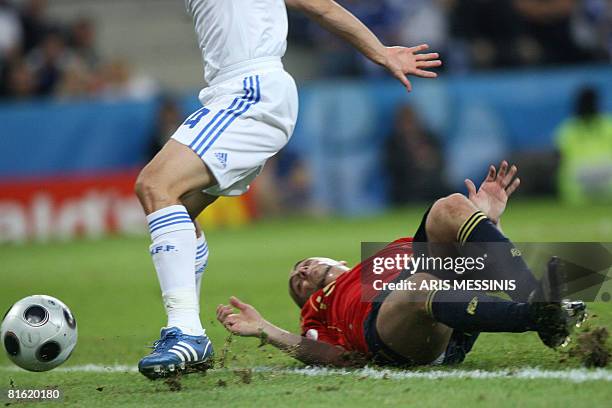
(336, 313)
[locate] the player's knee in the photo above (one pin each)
(148, 189)
(449, 205)
(443, 215)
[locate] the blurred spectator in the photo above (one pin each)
(585, 147)
(78, 81)
(168, 118)
(414, 160)
(83, 41)
(592, 27)
(11, 34)
(283, 187)
(18, 81)
(34, 22)
(49, 61)
(421, 21)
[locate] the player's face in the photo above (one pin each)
(313, 274)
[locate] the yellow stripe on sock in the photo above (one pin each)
(468, 231)
(466, 224)
(428, 302)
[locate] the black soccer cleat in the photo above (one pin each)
(554, 318)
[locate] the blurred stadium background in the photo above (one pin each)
(90, 90)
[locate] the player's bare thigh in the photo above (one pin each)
(175, 171)
(405, 327)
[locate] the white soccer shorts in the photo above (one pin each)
(245, 120)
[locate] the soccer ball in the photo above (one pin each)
(38, 333)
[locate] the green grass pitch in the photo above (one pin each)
(112, 289)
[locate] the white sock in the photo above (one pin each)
(201, 261)
(173, 251)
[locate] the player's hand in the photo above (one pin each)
(492, 196)
(247, 322)
(402, 61)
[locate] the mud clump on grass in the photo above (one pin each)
(245, 375)
(225, 351)
(327, 388)
(591, 348)
(174, 383)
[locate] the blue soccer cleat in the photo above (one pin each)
(177, 353)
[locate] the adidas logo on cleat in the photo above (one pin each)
(184, 351)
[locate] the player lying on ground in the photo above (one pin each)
(412, 327)
(249, 110)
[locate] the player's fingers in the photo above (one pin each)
(512, 188)
(511, 174)
(428, 64)
(491, 174)
(237, 303)
(503, 167)
(231, 320)
(403, 79)
(424, 74)
(418, 48)
(220, 311)
(224, 313)
(470, 187)
(428, 56)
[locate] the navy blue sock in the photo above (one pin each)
(478, 235)
(474, 312)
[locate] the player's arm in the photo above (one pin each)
(249, 323)
(400, 61)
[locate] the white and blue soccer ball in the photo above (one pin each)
(38, 333)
